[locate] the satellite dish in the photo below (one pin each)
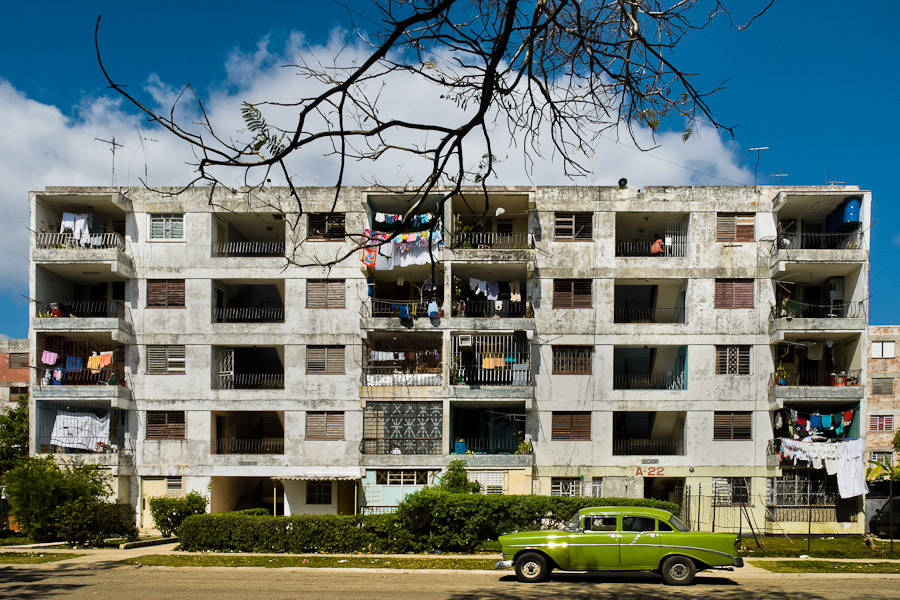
(623, 183)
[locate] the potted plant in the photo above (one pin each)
(781, 375)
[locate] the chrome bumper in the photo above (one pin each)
(504, 564)
(738, 561)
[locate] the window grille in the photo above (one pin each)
(731, 491)
(882, 457)
(166, 227)
(573, 226)
(565, 486)
(597, 487)
(492, 482)
(881, 423)
(402, 477)
(572, 360)
(174, 486)
(732, 360)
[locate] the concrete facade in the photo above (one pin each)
(284, 372)
(14, 378)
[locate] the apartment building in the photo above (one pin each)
(14, 372)
(601, 341)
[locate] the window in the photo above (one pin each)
(663, 526)
(173, 486)
(731, 491)
(883, 386)
(318, 492)
(572, 360)
(638, 524)
(596, 487)
(734, 227)
(18, 394)
(492, 482)
(565, 486)
(166, 227)
(734, 293)
(326, 226)
(325, 359)
(882, 349)
(881, 423)
(325, 425)
(18, 360)
(571, 293)
(165, 293)
(883, 457)
(570, 425)
(325, 293)
(165, 424)
(402, 477)
(165, 359)
(732, 360)
(600, 523)
(732, 425)
(574, 226)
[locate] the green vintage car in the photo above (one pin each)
(619, 538)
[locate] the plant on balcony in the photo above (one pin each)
(460, 229)
(524, 448)
(781, 375)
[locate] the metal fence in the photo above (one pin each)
(818, 241)
(814, 378)
(802, 310)
(489, 309)
(648, 314)
(648, 447)
(401, 446)
(85, 309)
(249, 381)
(249, 314)
(649, 381)
(93, 241)
(249, 446)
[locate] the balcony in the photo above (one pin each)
(396, 302)
(113, 317)
(247, 249)
(494, 429)
(398, 429)
(401, 446)
(660, 301)
(490, 360)
(256, 235)
(248, 368)
(492, 309)
(648, 447)
(490, 240)
(248, 432)
(412, 359)
(65, 253)
(648, 433)
(655, 235)
(248, 301)
(649, 368)
(89, 366)
(89, 430)
(249, 446)
(491, 228)
(815, 378)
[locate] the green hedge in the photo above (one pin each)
(426, 521)
(168, 513)
(87, 521)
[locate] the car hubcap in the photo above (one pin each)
(531, 569)
(678, 571)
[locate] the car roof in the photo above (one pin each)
(641, 511)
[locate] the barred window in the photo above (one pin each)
(596, 487)
(401, 477)
(325, 293)
(325, 425)
(734, 293)
(18, 394)
(571, 293)
(571, 425)
(326, 226)
(731, 491)
(165, 424)
(573, 226)
(885, 457)
(881, 423)
(883, 386)
(18, 360)
(565, 486)
(734, 227)
(732, 360)
(166, 227)
(492, 482)
(801, 488)
(165, 293)
(318, 492)
(166, 359)
(325, 359)
(572, 360)
(732, 425)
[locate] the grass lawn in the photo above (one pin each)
(850, 546)
(363, 562)
(822, 566)
(32, 558)
(15, 540)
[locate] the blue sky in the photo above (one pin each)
(813, 81)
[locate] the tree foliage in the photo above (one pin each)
(168, 513)
(13, 436)
(455, 479)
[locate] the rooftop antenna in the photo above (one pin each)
(143, 139)
(113, 145)
(756, 168)
(779, 175)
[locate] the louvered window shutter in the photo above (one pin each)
(316, 293)
(581, 426)
(725, 227)
(336, 296)
(562, 426)
(315, 425)
(156, 359)
(584, 229)
(744, 228)
(743, 293)
(335, 359)
(334, 425)
(581, 293)
(315, 359)
(565, 226)
(562, 293)
(724, 294)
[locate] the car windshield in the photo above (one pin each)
(574, 524)
(678, 524)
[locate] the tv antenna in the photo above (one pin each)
(113, 145)
(779, 175)
(143, 139)
(756, 168)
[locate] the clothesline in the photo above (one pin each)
(415, 220)
(846, 459)
(814, 422)
(379, 355)
(402, 250)
(491, 289)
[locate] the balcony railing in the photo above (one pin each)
(249, 446)
(648, 447)
(649, 381)
(377, 509)
(249, 314)
(801, 310)
(83, 376)
(247, 249)
(388, 376)
(648, 314)
(493, 369)
(818, 241)
(401, 446)
(84, 445)
(490, 240)
(646, 249)
(91, 241)
(489, 309)
(815, 378)
(401, 309)
(485, 445)
(85, 309)
(249, 381)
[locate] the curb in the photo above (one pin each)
(146, 543)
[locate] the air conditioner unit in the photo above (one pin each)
(465, 341)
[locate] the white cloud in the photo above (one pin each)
(43, 147)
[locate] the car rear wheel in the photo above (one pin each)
(678, 570)
(531, 567)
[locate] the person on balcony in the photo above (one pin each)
(656, 248)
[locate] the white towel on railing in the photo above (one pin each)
(79, 430)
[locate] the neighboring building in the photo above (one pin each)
(883, 405)
(14, 371)
(583, 341)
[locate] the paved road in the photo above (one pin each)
(104, 581)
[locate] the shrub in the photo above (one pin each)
(168, 513)
(456, 480)
(252, 512)
(88, 521)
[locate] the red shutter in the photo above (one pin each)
(743, 293)
(724, 293)
(725, 227)
(562, 293)
(743, 228)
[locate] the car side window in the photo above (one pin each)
(663, 526)
(600, 523)
(638, 524)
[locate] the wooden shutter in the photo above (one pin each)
(725, 227)
(328, 226)
(571, 426)
(316, 293)
(315, 359)
(883, 386)
(584, 226)
(574, 226)
(734, 293)
(744, 228)
(581, 426)
(165, 424)
(335, 293)
(732, 425)
(157, 361)
(18, 360)
(724, 294)
(334, 425)
(165, 292)
(572, 293)
(581, 293)
(315, 426)
(335, 359)
(175, 358)
(565, 226)
(562, 293)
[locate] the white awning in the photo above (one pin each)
(324, 474)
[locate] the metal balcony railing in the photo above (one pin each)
(801, 310)
(648, 314)
(648, 447)
(818, 241)
(490, 240)
(84, 445)
(401, 375)
(814, 378)
(486, 445)
(249, 381)
(249, 314)
(85, 309)
(401, 446)
(377, 509)
(493, 368)
(400, 309)
(249, 446)
(92, 241)
(83, 376)
(489, 309)
(646, 249)
(247, 249)
(650, 381)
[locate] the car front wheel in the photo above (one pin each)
(531, 567)
(678, 570)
